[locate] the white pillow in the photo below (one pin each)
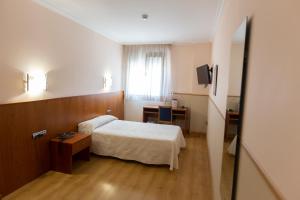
(92, 124)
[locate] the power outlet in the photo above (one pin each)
(39, 134)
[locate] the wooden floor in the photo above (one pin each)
(113, 179)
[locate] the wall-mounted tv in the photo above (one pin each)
(203, 74)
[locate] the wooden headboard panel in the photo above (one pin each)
(23, 159)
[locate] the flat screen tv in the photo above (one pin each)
(203, 74)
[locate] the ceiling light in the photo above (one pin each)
(145, 17)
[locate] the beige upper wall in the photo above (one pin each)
(185, 59)
(236, 69)
(35, 38)
(271, 120)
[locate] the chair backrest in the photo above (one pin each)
(165, 114)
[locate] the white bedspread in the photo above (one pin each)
(144, 142)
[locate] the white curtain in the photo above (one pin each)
(147, 72)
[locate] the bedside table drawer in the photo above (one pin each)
(80, 145)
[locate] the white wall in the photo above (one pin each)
(215, 141)
(271, 120)
(236, 69)
(248, 175)
(35, 38)
(185, 58)
(198, 111)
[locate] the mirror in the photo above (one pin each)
(233, 112)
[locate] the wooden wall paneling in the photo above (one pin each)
(23, 159)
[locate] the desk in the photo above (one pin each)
(231, 118)
(181, 116)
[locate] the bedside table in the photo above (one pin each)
(63, 151)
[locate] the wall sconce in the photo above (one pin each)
(107, 81)
(36, 82)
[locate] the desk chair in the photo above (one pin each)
(165, 114)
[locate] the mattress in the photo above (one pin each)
(143, 142)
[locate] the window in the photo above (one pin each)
(147, 72)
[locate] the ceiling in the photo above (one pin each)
(170, 21)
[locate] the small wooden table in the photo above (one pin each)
(62, 152)
(231, 118)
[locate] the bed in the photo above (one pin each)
(143, 142)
